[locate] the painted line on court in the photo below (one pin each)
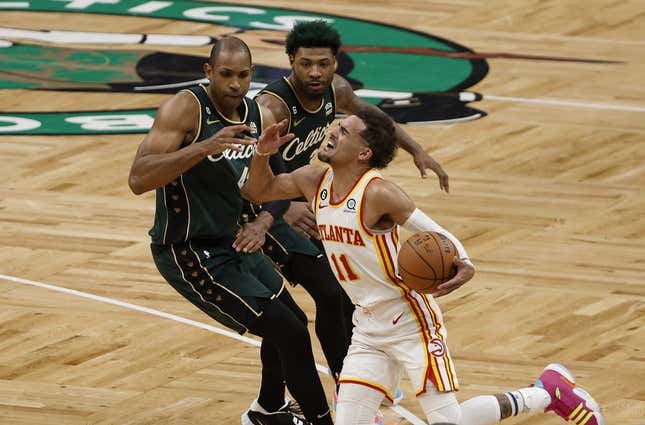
(559, 102)
(16, 4)
(402, 411)
(464, 96)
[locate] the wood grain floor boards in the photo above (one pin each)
(547, 196)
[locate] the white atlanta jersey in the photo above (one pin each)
(395, 327)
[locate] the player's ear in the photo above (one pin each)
(208, 69)
(291, 59)
(365, 154)
(335, 64)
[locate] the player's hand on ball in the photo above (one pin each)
(465, 272)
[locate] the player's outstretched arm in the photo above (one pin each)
(252, 235)
(263, 186)
(348, 102)
(395, 206)
(159, 159)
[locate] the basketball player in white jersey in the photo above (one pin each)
(396, 329)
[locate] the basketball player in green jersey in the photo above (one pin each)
(196, 157)
(309, 99)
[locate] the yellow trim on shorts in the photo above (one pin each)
(386, 259)
(377, 387)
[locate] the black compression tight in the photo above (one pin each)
(286, 352)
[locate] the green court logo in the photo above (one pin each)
(410, 75)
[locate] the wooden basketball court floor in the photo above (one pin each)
(547, 193)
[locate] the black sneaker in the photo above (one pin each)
(289, 414)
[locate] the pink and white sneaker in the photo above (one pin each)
(570, 402)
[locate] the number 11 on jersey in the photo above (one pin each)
(341, 263)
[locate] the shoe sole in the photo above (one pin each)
(245, 419)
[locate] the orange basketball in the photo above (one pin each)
(425, 260)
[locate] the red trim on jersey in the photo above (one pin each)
(437, 325)
(432, 367)
(360, 215)
(331, 190)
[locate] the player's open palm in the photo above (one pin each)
(232, 137)
(271, 140)
(423, 161)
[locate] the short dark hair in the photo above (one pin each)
(379, 133)
(229, 43)
(312, 34)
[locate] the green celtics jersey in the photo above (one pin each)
(205, 201)
(310, 127)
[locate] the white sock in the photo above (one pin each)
(480, 410)
(530, 400)
(486, 410)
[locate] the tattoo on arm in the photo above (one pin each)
(505, 407)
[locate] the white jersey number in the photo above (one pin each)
(243, 177)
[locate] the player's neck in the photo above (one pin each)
(345, 179)
(231, 113)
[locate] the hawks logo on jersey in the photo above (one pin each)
(340, 234)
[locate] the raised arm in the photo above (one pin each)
(387, 204)
(263, 186)
(349, 103)
(252, 234)
(272, 210)
(299, 214)
(159, 159)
